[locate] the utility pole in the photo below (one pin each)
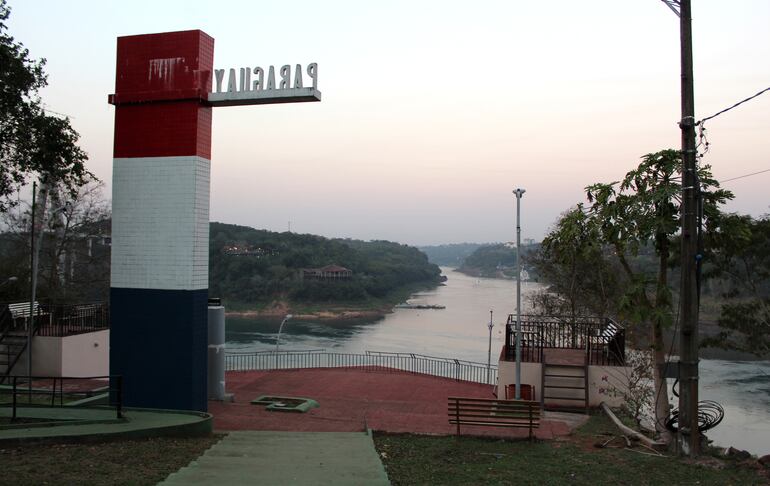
(689, 436)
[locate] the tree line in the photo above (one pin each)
(379, 267)
(499, 261)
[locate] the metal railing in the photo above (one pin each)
(67, 320)
(602, 339)
(380, 361)
(57, 320)
(42, 391)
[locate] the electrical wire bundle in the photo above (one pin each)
(710, 414)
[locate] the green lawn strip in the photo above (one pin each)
(425, 460)
(136, 462)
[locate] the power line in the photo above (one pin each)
(734, 106)
(745, 175)
(45, 109)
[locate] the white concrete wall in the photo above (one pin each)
(506, 375)
(603, 378)
(160, 223)
(79, 355)
(86, 354)
(46, 356)
(600, 379)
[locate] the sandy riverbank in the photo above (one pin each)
(280, 309)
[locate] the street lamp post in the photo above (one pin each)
(519, 193)
(33, 285)
(489, 352)
(278, 339)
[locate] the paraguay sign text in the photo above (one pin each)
(247, 86)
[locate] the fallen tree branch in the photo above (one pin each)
(628, 432)
(645, 453)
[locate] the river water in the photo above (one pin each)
(461, 331)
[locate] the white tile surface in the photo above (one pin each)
(160, 223)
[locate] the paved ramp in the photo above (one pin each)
(286, 458)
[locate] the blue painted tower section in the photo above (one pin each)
(178, 379)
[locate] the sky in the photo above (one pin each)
(432, 111)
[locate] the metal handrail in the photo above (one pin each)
(114, 390)
(382, 361)
(58, 320)
(69, 319)
(559, 332)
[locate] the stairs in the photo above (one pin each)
(12, 345)
(564, 382)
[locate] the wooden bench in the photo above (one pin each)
(21, 309)
(494, 413)
(20, 313)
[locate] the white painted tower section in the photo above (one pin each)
(160, 223)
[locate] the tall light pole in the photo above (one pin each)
(33, 247)
(489, 352)
(519, 193)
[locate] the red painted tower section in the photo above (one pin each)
(161, 85)
(161, 167)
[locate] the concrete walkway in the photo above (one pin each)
(286, 458)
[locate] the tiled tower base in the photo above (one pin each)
(160, 234)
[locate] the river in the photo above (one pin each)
(461, 331)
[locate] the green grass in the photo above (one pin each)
(426, 460)
(135, 462)
(409, 460)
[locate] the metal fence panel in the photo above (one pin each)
(369, 361)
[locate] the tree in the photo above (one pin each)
(572, 261)
(739, 259)
(628, 218)
(74, 254)
(32, 143)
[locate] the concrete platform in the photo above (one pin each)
(286, 458)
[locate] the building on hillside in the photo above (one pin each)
(242, 249)
(329, 272)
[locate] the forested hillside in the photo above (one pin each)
(253, 266)
(498, 261)
(450, 255)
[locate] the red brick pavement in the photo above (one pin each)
(353, 399)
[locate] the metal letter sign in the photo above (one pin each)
(160, 217)
(241, 90)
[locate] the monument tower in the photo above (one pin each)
(160, 206)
